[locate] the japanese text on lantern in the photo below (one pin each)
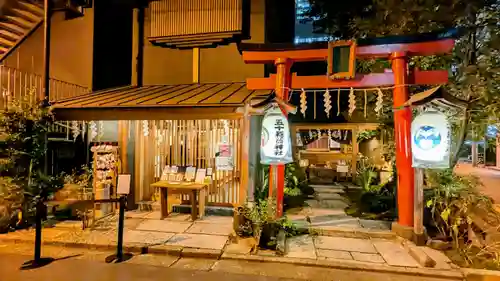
(280, 134)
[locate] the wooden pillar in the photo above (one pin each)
(283, 84)
(244, 165)
(196, 65)
(402, 132)
(123, 142)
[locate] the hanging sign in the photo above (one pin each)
(431, 140)
(224, 157)
(275, 147)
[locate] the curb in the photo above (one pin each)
(418, 254)
(352, 265)
(480, 274)
(176, 251)
(349, 233)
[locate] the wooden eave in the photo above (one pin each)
(159, 102)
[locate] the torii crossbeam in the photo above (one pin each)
(398, 50)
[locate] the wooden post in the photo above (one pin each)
(418, 211)
(196, 65)
(123, 141)
(245, 148)
(402, 132)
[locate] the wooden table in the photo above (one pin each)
(196, 191)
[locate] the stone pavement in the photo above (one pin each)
(177, 233)
(326, 212)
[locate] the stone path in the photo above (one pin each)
(142, 229)
(326, 211)
(378, 251)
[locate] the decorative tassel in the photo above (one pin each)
(84, 129)
(93, 130)
(352, 102)
(303, 103)
(366, 103)
(101, 130)
(380, 101)
(75, 130)
(145, 128)
(328, 103)
(299, 140)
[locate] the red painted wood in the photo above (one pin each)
(282, 86)
(402, 133)
(363, 52)
(431, 77)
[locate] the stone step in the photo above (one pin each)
(327, 204)
(328, 190)
(329, 196)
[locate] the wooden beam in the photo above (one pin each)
(362, 52)
(431, 77)
(335, 126)
(145, 113)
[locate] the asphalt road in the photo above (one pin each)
(86, 270)
(80, 268)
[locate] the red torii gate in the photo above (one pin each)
(400, 78)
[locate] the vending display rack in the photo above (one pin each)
(105, 162)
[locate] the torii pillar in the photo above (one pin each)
(400, 77)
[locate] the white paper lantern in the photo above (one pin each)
(276, 142)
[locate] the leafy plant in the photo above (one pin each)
(452, 201)
(260, 222)
(367, 134)
(366, 174)
(23, 147)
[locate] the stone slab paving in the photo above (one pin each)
(333, 254)
(146, 237)
(326, 211)
(375, 251)
(210, 228)
(394, 253)
(344, 244)
(365, 257)
(203, 241)
(164, 226)
(301, 247)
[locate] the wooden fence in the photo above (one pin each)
(188, 143)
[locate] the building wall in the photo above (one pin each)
(71, 47)
(221, 64)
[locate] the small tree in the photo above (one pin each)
(475, 62)
(23, 147)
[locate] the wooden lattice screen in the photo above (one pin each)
(188, 143)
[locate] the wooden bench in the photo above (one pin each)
(197, 194)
